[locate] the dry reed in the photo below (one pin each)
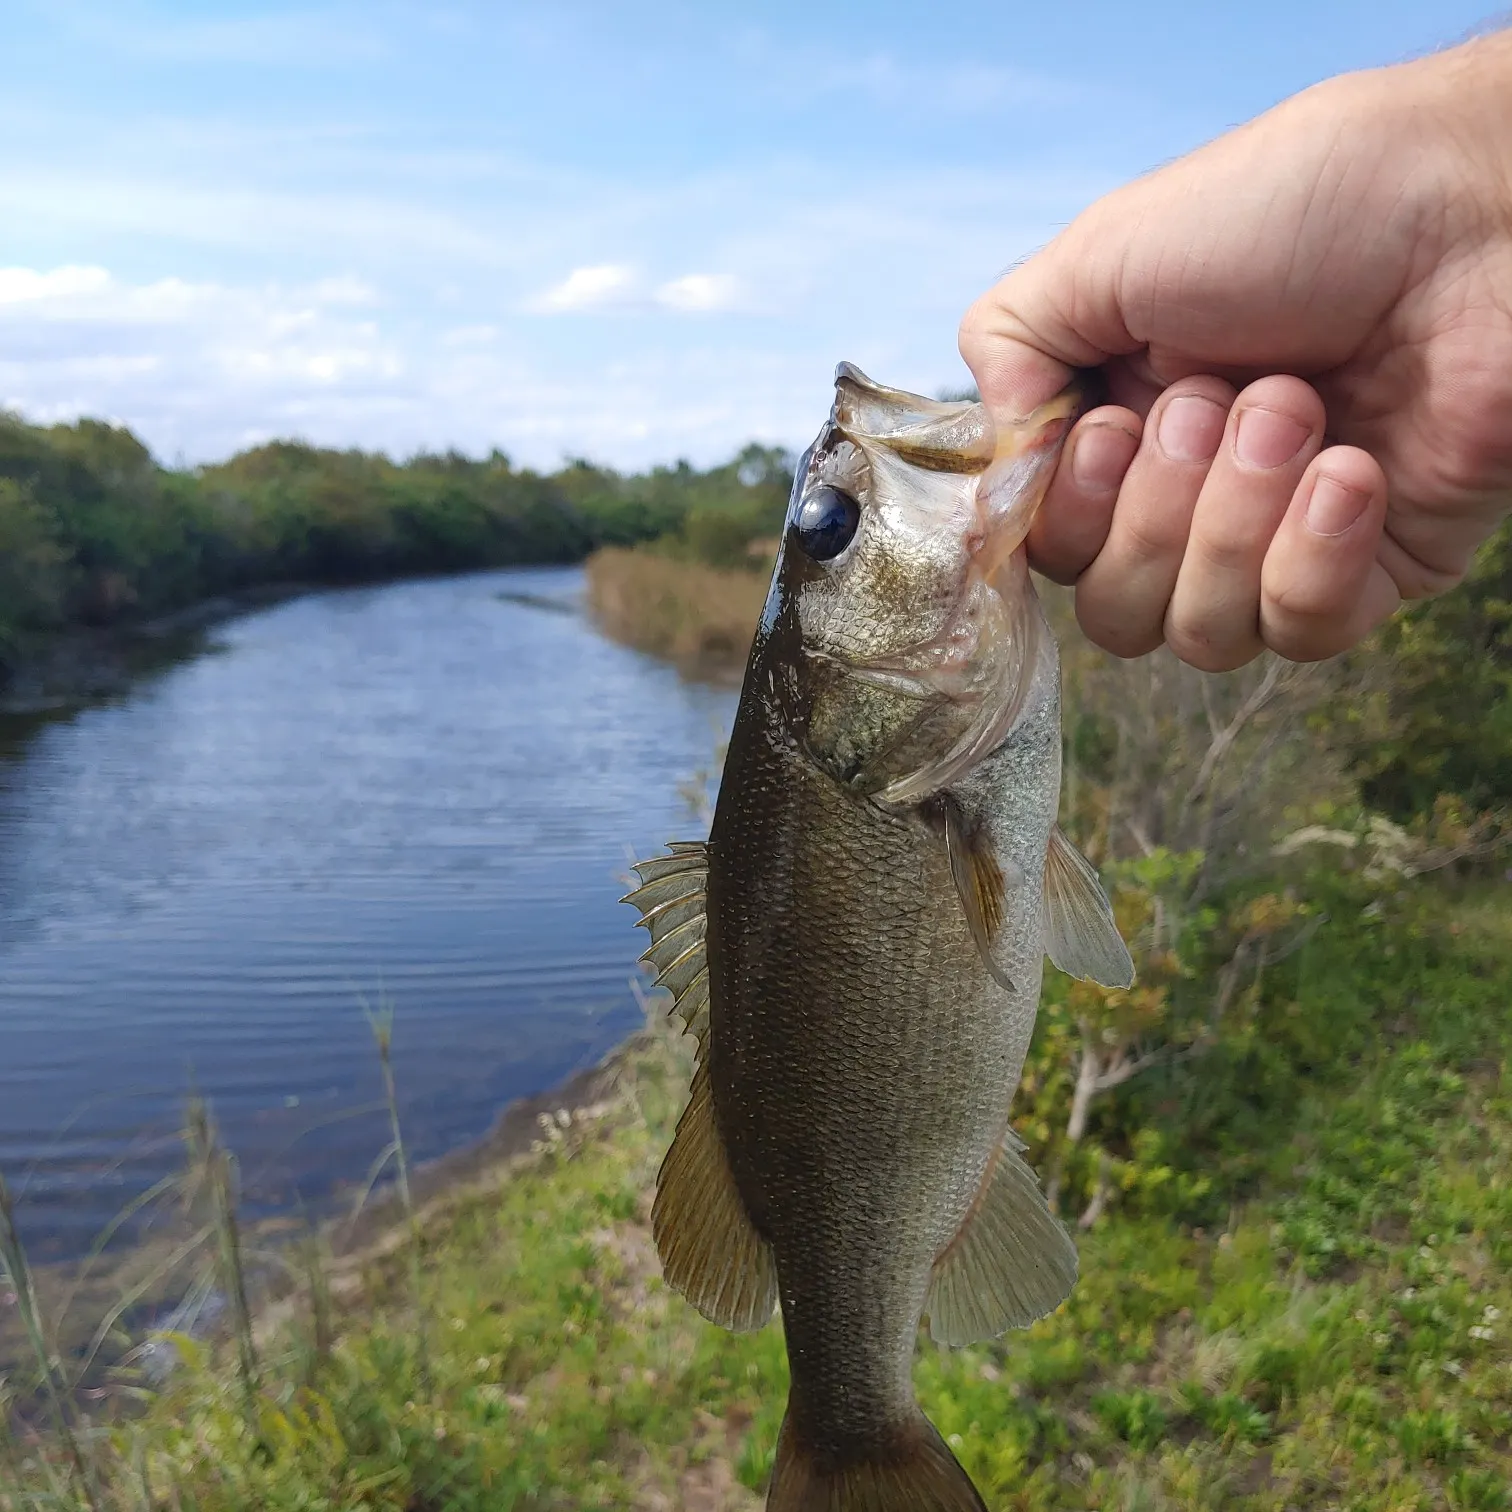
(703, 618)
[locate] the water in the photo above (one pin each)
(418, 791)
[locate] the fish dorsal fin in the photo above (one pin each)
(672, 901)
(710, 1250)
(1080, 935)
(982, 885)
(1011, 1263)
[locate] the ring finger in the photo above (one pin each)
(1121, 599)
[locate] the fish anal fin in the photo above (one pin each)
(1080, 935)
(1011, 1263)
(914, 1473)
(981, 885)
(710, 1250)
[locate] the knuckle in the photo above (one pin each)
(973, 329)
(1152, 535)
(1117, 634)
(1293, 643)
(1300, 627)
(1301, 605)
(1228, 553)
(1193, 643)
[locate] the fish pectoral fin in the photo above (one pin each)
(1011, 1263)
(982, 884)
(1080, 935)
(673, 906)
(710, 1250)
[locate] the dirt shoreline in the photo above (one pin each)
(75, 1294)
(89, 662)
(80, 666)
(515, 1133)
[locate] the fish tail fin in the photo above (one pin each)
(917, 1474)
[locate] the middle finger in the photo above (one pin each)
(1275, 430)
(1121, 598)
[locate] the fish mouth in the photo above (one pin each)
(1006, 500)
(986, 653)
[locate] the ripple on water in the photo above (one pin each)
(418, 792)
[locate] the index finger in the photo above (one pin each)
(1014, 373)
(1060, 309)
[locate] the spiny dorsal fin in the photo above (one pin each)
(672, 902)
(1011, 1263)
(1080, 935)
(710, 1250)
(981, 885)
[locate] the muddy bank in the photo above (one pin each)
(100, 1313)
(84, 663)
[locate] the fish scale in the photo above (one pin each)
(859, 946)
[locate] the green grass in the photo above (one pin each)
(1340, 1340)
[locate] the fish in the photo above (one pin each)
(858, 945)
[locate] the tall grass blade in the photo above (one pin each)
(381, 1023)
(15, 1269)
(211, 1165)
(313, 1261)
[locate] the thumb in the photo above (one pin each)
(1059, 309)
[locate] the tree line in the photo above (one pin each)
(94, 532)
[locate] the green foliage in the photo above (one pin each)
(738, 507)
(1338, 1337)
(1442, 721)
(93, 532)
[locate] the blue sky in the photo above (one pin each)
(630, 232)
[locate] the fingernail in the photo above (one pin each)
(1333, 507)
(1265, 438)
(1101, 458)
(1191, 428)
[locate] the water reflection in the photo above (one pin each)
(420, 790)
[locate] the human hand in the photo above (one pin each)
(1307, 331)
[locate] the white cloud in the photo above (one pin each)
(183, 361)
(616, 286)
(592, 288)
(700, 292)
(28, 286)
(400, 335)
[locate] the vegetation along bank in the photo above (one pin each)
(98, 540)
(1286, 1151)
(1296, 1286)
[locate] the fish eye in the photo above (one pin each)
(826, 522)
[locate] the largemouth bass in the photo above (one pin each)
(859, 944)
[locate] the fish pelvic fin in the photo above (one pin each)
(917, 1473)
(1080, 935)
(710, 1250)
(1011, 1263)
(673, 905)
